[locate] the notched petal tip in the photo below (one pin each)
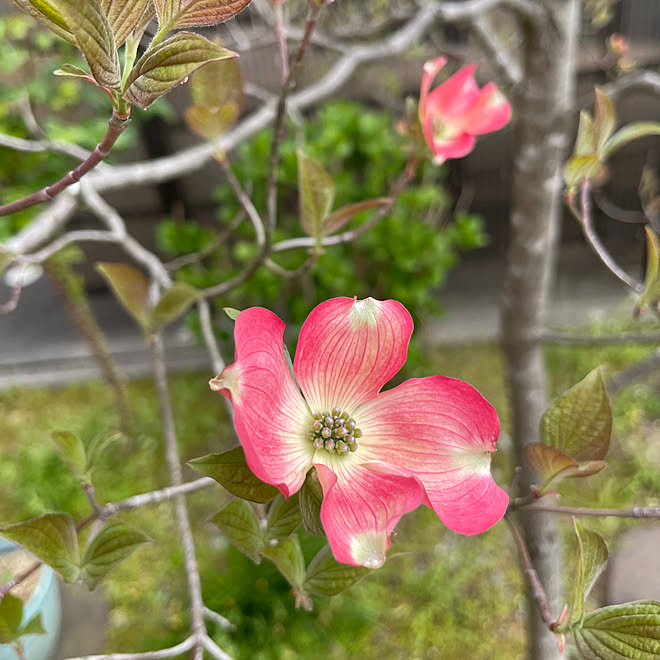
(365, 313)
(226, 383)
(369, 549)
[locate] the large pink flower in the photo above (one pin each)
(457, 110)
(378, 454)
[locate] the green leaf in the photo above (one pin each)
(93, 34)
(110, 546)
(218, 83)
(231, 471)
(34, 626)
(604, 118)
(239, 523)
(283, 517)
(211, 122)
(630, 631)
(627, 134)
(72, 449)
(591, 560)
(131, 287)
(231, 312)
(327, 577)
(123, 16)
(198, 13)
(174, 302)
(585, 144)
(11, 613)
(311, 498)
(651, 293)
(45, 12)
(167, 64)
(335, 221)
(98, 445)
(288, 557)
(52, 538)
(579, 168)
(317, 192)
(579, 423)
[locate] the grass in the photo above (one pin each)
(439, 595)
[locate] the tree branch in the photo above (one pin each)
(635, 512)
(170, 652)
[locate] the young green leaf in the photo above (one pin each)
(627, 134)
(591, 560)
(167, 64)
(231, 471)
(311, 498)
(288, 557)
(579, 168)
(335, 221)
(174, 302)
(111, 545)
(211, 122)
(231, 312)
(586, 141)
(604, 118)
(327, 577)
(316, 192)
(630, 631)
(52, 538)
(239, 523)
(73, 71)
(72, 449)
(283, 518)
(11, 613)
(218, 83)
(34, 626)
(88, 23)
(46, 13)
(579, 423)
(123, 16)
(98, 445)
(131, 287)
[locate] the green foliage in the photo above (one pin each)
(405, 256)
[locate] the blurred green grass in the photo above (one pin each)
(439, 595)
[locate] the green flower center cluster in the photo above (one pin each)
(335, 431)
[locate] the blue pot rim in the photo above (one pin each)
(46, 577)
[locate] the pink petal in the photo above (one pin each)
(443, 150)
(442, 431)
(455, 96)
(361, 508)
(431, 69)
(270, 415)
(490, 112)
(348, 349)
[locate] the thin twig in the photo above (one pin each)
(571, 339)
(635, 512)
(37, 146)
(209, 338)
(148, 655)
(537, 588)
(496, 50)
(586, 220)
(17, 579)
(218, 619)
(116, 127)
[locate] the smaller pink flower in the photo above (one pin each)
(457, 110)
(378, 454)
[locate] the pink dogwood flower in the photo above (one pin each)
(378, 454)
(457, 110)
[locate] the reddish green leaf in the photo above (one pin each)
(73, 72)
(288, 557)
(211, 123)
(239, 523)
(52, 538)
(174, 302)
(93, 34)
(72, 449)
(231, 471)
(630, 631)
(317, 192)
(45, 12)
(131, 287)
(218, 83)
(335, 221)
(198, 13)
(283, 518)
(311, 498)
(327, 577)
(579, 423)
(591, 560)
(123, 16)
(167, 64)
(586, 142)
(628, 134)
(651, 293)
(552, 464)
(580, 168)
